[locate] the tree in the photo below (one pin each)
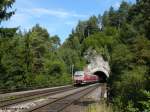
(105, 19)
(4, 6)
(55, 42)
(7, 32)
(141, 47)
(143, 6)
(113, 17)
(123, 12)
(39, 38)
(92, 26)
(12, 62)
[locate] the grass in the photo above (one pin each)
(100, 107)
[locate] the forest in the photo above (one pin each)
(35, 59)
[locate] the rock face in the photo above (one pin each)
(97, 63)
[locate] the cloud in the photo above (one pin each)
(56, 20)
(79, 15)
(19, 19)
(71, 23)
(26, 18)
(117, 5)
(44, 11)
(38, 12)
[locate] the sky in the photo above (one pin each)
(59, 17)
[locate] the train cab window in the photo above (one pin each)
(79, 73)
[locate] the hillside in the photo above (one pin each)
(34, 58)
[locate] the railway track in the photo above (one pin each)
(55, 100)
(59, 104)
(5, 102)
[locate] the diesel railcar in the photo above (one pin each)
(81, 77)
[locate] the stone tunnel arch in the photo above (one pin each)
(98, 66)
(102, 76)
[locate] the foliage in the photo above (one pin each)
(121, 36)
(30, 59)
(145, 104)
(100, 107)
(125, 44)
(4, 6)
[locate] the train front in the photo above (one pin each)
(78, 77)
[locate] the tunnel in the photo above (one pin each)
(102, 76)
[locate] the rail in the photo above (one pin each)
(58, 104)
(31, 95)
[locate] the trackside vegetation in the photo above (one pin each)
(100, 107)
(34, 58)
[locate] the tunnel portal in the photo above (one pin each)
(98, 66)
(102, 76)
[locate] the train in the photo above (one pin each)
(82, 77)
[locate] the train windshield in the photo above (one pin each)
(79, 73)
